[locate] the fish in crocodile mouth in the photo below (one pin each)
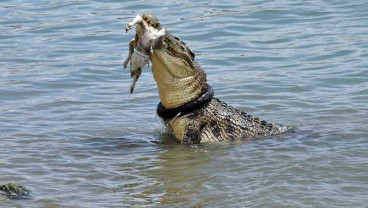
(148, 30)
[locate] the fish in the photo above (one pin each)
(147, 29)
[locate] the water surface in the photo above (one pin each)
(71, 132)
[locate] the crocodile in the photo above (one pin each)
(188, 106)
(14, 191)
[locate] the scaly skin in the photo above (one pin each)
(180, 80)
(220, 122)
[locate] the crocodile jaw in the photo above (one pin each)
(178, 83)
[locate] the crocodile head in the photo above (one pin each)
(179, 78)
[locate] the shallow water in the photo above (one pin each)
(73, 135)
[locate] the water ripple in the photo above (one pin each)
(72, 134)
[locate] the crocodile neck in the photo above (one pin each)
(186, 108)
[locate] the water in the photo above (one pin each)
(73, 135)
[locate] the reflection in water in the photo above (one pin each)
(182, 174)
(268, 172)
(176, 174)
